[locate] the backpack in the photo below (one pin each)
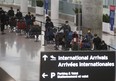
(89, 37)
(67, 28)
(74, 41)
(86, 45)
(70, 36)
(21, 24)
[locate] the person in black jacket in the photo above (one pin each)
(28, 22)
(3, 21)
(1, 12)
(49, 25)
(66, 28)
(7, 20)
(11, 12)
(49, 30)
(19, 14)
(28, 19)
(103, 45)
(96, 42)
(48, 18)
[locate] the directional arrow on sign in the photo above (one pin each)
(45, 57)
(44, 75)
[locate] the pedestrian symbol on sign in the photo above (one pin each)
(52, 58)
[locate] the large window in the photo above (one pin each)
(32, 3)
(67, 6)
(109, 2)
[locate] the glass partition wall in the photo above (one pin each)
(65, 6)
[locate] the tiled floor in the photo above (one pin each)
(20, 57)
(4, 76)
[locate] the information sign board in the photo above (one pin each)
(77, 66)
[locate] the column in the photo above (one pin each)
(55, 11)
(92, 11)
(24, 6)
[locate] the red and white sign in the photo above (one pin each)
(112, 7)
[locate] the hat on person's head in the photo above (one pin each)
(17, 9)
(29, 12)
(66, 21)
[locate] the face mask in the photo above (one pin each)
(67, 24)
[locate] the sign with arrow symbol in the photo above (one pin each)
(45, 57)
(77, 66)
(44, 75)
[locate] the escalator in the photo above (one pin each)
(4, 76)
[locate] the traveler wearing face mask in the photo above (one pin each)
(49, 30)
(96, 42)
(66, 28)
(11, 12)
(3, 20)
(18, 14)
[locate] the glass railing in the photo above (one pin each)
(31, 3)
(1, 1)
(17, 1)
(9, 1)
(67, 7)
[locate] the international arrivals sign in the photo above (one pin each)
(77, 66)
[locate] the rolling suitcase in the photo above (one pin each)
(21, 25)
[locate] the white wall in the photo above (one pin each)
(106, 28)
(107, 11)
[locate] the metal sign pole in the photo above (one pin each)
(79, 20)
(46, 7)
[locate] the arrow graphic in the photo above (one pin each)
(44, 75)
(45, 57)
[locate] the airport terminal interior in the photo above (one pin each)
(20, 55)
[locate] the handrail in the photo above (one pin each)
(40, 21)
(45, 23)
(111, 47)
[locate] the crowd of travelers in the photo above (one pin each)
(71, 39)
(60, 36)
(18, 23)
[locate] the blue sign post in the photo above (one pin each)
(46, 6)
(112, 16)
